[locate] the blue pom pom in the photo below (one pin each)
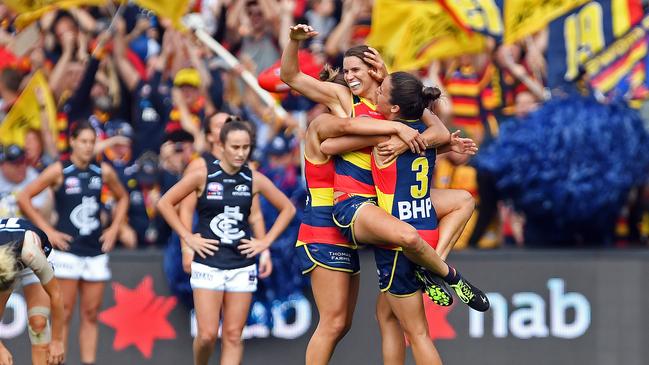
(572, 161)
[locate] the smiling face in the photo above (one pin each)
(358, 78)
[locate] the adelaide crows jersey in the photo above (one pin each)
(317, 223)
(353, 169)
(403, 189)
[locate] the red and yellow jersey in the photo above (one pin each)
(353, 169)
(403, 189)
(317, 224)
(464, 88)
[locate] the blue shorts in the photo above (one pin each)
(396, 273)
(345, 212)
(332, 257)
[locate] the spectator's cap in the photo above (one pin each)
(11, 153)
(280, 145)
(119, 127)
(147, 168)
(179, 136)
(187, 77)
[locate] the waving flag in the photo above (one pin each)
(31, 11)
(25, 114)
(621, 62)
(587, 30)
(482, 16)
(409, 34)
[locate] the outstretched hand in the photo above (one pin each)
(465, 146)
(302, 32)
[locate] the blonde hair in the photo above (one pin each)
(8, 267)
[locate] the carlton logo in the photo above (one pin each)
(139, 317)
(569, 315)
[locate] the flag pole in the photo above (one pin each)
(247, 77)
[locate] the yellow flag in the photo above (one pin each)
(32, 10)
(171, 9)
(25, 114)
(409, 34)
(525, 17)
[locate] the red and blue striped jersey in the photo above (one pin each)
(403, 189)
(317, 224)
(353, 169)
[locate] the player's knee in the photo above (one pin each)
(67, 313)
(89, 315)
(466, 200)
(231, 336)
(206, 338)
(336, 326)
(410, 239)
(416, 333)
(37, 323)
(39, 328)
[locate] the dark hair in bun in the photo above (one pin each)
(410, 95)
(430, 94)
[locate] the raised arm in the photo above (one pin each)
(124, 67)
(327, 93)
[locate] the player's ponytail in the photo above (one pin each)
(410, 95)
(430, 94)
(8, 267)
(330, 74)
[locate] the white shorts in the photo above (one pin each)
(87, 268)
(242, 280)
(26, 277)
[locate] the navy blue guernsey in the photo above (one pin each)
(12, 231)
(78, 201)
(223, 211)
(208, 157)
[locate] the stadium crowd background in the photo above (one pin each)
(150, 89)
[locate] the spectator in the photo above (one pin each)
(15, 174)
(10, 80)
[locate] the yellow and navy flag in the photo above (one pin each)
(621, 68)
(410, 33)
(32, 10)
(170, 9)
(507, 21)
(526, 17)
(482, 16)
(25, 114)
(590, 28)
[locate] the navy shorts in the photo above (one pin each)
(396, 272)
(345, 212)
(332, 257)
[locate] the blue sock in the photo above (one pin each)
(453, 276)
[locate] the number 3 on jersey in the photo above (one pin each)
(420, 166)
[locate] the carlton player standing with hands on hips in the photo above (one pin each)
(224, 280)
(80, 246)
